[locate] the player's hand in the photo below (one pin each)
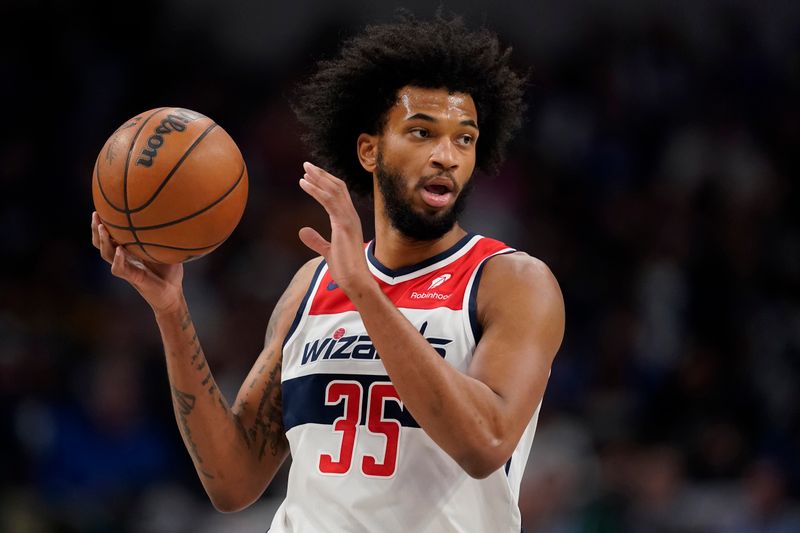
(159, 284)
(345, 251)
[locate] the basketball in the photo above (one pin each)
(170, 185)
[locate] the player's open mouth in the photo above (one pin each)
(437, 192)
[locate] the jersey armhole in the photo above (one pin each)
(471, 296)
(306, 302)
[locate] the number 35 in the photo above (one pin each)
(351, 393)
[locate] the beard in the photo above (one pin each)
(412, 223)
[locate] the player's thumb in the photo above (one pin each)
(314, 240)
(130, 269)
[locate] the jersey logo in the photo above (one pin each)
(355, 347)
(438, 281)
(429, 294)
(332, 285)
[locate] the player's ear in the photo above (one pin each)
(367, 146)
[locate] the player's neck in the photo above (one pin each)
(395, 250)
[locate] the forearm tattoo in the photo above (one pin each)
(184, 405)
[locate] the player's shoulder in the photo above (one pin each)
(301, 282)
(519, 297)
(309, 268)
(518, 264)
(303, 277)
(517, 273)
(287, 307)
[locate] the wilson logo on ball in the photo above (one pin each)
(172, 122)
(173, 206)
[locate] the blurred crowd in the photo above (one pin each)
(657, 177)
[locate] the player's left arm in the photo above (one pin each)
(477, 417)
(521, 311)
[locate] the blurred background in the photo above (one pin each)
(657, 176)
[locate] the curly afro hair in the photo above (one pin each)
(352, 93)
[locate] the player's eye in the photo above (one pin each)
(466, 139)
(420, 133)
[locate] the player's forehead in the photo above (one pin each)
(440, 104)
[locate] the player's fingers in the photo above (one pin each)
(95, 236)
(118, 265)
(313, 169)
(122, 267)
(318, 193)
(127, 267)
(315, 241)
(336, 201)
(106, 246)
(340, 201)
(326, 180)
(316, 179)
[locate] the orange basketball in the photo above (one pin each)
(170, 185)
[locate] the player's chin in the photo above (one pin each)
(434, 213)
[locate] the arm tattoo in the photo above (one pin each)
(198, 351)
(187, 320)
(184, 405)
(255, 378)
(242, 430)
(267, 430)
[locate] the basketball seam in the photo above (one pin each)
(100, 186)
(183, 248)
(125, 180)
(187, 217)
(174, 169)
(97, 167)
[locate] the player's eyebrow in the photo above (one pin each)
(428, 118)
(422, 116)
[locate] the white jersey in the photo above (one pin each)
(360, 462)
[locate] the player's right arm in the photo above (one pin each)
(236, 451)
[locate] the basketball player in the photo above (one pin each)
(405, 377)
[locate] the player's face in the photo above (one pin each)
(426, 156)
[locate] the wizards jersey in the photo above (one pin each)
(360, 462)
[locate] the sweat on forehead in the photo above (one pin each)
(414, 99)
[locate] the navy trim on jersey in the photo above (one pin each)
(302, 307)
(422, 264)
(472, 304)
(508, 465)
(304, 401)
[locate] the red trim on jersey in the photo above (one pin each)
(443, 287)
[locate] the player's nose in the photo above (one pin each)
(444, 155)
